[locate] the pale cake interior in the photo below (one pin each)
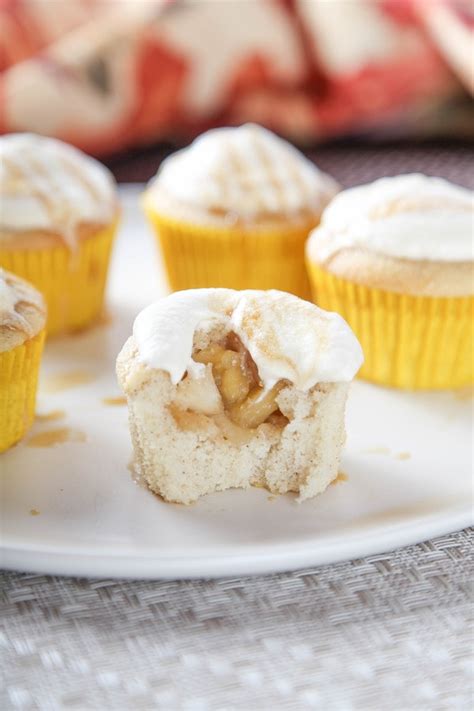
(219, 428)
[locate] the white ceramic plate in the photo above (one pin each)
(74, 508)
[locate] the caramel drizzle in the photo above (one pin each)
(272, 195)
(46, 179)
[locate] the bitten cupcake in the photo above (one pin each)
(232, 389)
(234, 210)
(58, 215)
(395, 258)
(22, 330)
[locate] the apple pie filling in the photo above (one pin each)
(230, 386)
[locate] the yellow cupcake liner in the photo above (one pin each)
(197, 256)
(19, 370)
(71, 281)
(409, 342)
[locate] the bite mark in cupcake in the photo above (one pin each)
(215, 403)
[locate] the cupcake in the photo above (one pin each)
(22, 329)
(395, 259)
(57, 222)
(234, 210)
(234, 389)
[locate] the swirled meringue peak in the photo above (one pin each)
(16, 295)
(46, 184)
(246, 172)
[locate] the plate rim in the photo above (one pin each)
(271, 558)
(98, 559)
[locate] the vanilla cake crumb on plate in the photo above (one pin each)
(234, 389)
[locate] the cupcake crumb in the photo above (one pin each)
(34, 512)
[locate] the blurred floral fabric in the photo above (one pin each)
(110, 74)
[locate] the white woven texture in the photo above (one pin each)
(390, 631)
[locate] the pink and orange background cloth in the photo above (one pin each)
(107, 75)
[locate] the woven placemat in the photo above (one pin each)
(387, 632)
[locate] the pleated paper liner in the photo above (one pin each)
(410, 342)
(19, 369)
(72, 282)
(197, 256)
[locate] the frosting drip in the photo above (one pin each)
(246, 172)
(288, 338)
(46, 184)
(408, 216)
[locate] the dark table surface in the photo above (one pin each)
(350, 163)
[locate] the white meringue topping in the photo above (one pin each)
(246, 171)
(288, 338)
(408, 216)
(46, 184)
(14, 291)
(8, 297)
